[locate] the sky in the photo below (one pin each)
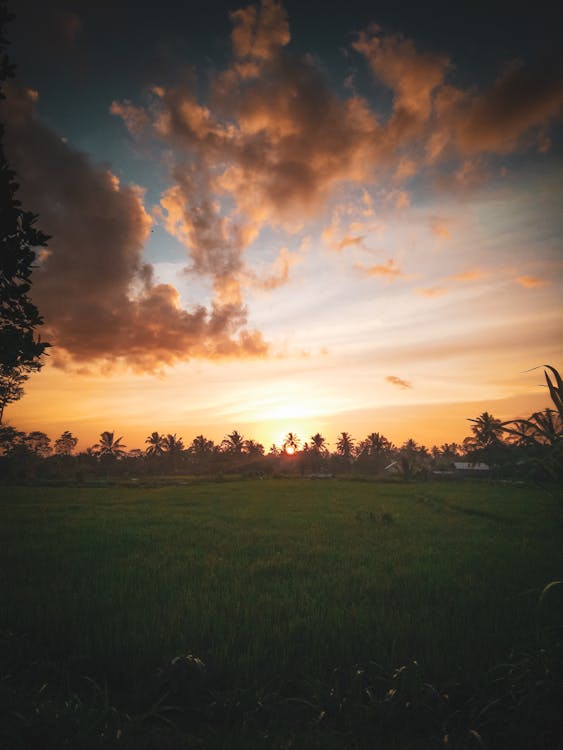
(289, 217)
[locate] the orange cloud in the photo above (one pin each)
(440, 228)
(388, 270)
(260, 33)
(135, 118)
(474, 275)
(280, 272)
(273, 143)
(350, 242)
(98, 298)
(433, 291)
(531, 282)
(412, 76)
(399, 382)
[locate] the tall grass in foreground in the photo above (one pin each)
(342, 611)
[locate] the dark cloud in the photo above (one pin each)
(98, 298)
(519, 100)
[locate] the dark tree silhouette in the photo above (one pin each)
(109, 446)
(253, 448)
(233, 443)
(291, 443)
(20, 349)
(345, 445)
(487, 432)
(38, 442)
(156, 444)
(201, 446)
(65, 444)
(173, 444)
(318, 444)
(11, 386)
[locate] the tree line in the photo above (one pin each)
(528, 448)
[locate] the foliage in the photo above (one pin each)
(20, 349)
(156, 444)
(65, 444)
(110, 446)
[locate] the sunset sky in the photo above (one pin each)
(275, 217)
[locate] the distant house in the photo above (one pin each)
(393, 468)
(466, 469)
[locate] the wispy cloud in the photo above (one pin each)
(432, 291)
(532, 282)
(388, 270)
(467, 276)
(398, 382)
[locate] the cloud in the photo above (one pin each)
(467, 276)
(531, 282)
(350, 242)
(135, 118)
(387, 270)
(411, 75)
(399, 382)
(259, 34)
(280, 273)
(272, 144)
(98, 298)
(433, 291)
(520, 99)
(448, 121)
(440, 228)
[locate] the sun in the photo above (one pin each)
(290, 450)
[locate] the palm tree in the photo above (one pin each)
(543, 427)
(345, 445)
(253, 448)
(555, 388)
(201, 445)
(487, 432)
(291, 443)
(377, 444)
(318, 444)
(156, 444)
(172, 444)
(233, 443)
(109, 446)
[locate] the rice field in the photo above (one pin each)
(277, 582)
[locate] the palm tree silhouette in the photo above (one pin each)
(375, 444)
(201, 445)
(173, 444)
(345, 445)
(543, 427)
(487, 432)
(110, 446)
(156, 444)
(291, 443)
(233, 443)
(253, 448)
(318, 444)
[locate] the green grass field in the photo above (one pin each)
(278, 582)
